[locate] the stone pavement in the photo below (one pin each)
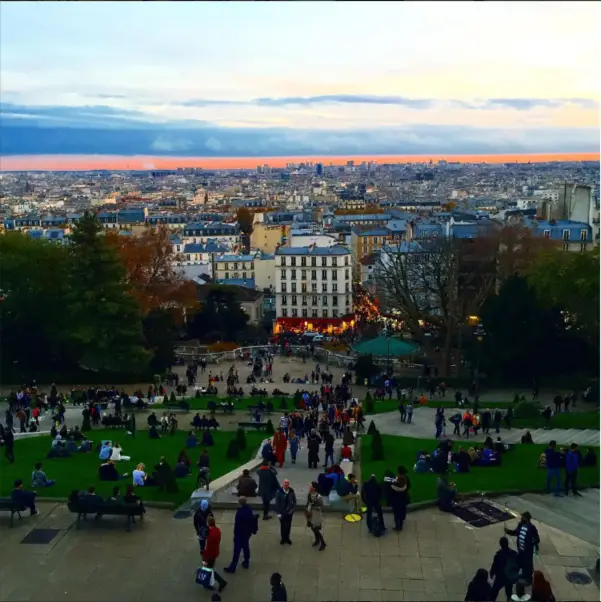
(434, 558)
(422, 427)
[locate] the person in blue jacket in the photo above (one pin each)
(245, 526)
(23, 498)
(572, 463)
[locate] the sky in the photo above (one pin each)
(299, 78)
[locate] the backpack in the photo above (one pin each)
(377, 527)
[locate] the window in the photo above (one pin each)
(583, 234)
(293, 274)
(303, 261)
(294, 287)
(303, 287)
(236, 265)
(304, 301)
(334, 288)
(283, 261)
(236, 275)
(313, 274)
(347, 287)
(375, 240)
(293, 299)
(283, 274)
(227, 274)
(324, 287)
(243, 275)
(324, 313)
(314, 288)
(348, 299)
(295, 313)
(314, 313)
(346, 274)
(324, 274)
(284, 312)
(284, 300)
(547, 233)
(324, 262)
(346, 260)
(303, 274)
(227, 266)
(335, 275)
(566, 235)
(304, 313)
(334, 261)
(334, 313)
(324, 300)
(284, 287)
(314, 300)
(313, 261)
(293, 261)
(334, 300)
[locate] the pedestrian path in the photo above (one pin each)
(422, 427)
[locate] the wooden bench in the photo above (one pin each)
(130, 511)
(258, 426)
(7, 505)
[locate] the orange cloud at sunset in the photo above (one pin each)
(88, 162)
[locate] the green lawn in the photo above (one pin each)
(80, 471)
(565, 420)
(198, 404)
(518, 471)
(392, 405)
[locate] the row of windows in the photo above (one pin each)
(324, 274)
(303, 261)
(314, 287)
(236, 275)
(566, 234)
(314, 300)
(245, 265)
(305, 313)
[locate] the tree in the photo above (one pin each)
(233, 450)
(245, 220)
(377, 447)
(269, 430)
(159, 329)
(241, 439)
(570, 281)
(105, 322)
(371, 429)
(365, 368)
(150, 266)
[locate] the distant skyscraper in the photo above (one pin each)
(319, 169)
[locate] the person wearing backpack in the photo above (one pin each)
(504, 570)
(371, 493)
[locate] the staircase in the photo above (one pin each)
(577, 516)
(583, 437)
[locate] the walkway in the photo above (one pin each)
(390, 423)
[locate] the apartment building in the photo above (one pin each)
(364, 242)
(313, 288)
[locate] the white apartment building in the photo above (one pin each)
(313, 282)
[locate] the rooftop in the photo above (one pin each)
(313, 250)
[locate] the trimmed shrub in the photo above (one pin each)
(371, 429)
(370, 407)
(377, 446)
(241, 439)
(526, 409)
(269, 428)
(233, 450)
(172, 398)
(197, 394)
(283, 404)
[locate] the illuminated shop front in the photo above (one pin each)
(327, 326)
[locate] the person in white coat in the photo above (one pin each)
(117, 454)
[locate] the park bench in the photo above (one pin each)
(258, 426)
(82, 509)
(7, 505)
(180, 405)
(267, 409)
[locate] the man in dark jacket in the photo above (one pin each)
(285, 503)
(245, 525)
(399, 497)
(247, 486)
(553, 468)
(527, 543)
(23, 498)
(268, 485)
(313, 442)
(572, 463)
(347, 489)
(371, 493)
(505, 569)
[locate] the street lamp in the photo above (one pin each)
(479, 333)
(388, 334)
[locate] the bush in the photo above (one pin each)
(283, 404)
(526, 409)
(197, 394)
(241, 439)
(269, 428)
(377, 446)
(233, 450)
(369, 404)
(172, 398)
(371, 429)
(365, 368)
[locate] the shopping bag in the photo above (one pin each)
(205, 577)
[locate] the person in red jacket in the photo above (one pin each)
(280, 443)
(211, 551)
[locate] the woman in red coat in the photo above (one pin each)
(279, 446)
(211, 551)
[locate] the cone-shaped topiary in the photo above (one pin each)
(241, 439)
(172, 398)
(377, 446)
(371, 429)
(197, 394)
(283, 404)
(369, 404)
(269, 428)
(233, 450)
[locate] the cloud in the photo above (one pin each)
(165, 144)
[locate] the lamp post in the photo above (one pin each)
(479, 333)
(387, 334)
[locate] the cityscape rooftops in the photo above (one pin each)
(313, 250)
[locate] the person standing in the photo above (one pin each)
(313, 442)
(399, 498)
(280, 443)
(409, 413)
(285, 503)
(572, 463)
(371, 494)
(268, 485)
(211, 551)
(245, 526)
(504, 570)
(293, 444)
(314, 514)
(328, 440)
(201, 517)
(553, 465)
(527, 543)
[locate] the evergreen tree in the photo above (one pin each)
(105, 322)
(283, 403)
(241, 439)
(172, 398)
(233, 450)
(377, 447)
(371, 429)
(269, 428)
(369, 404)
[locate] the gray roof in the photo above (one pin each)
(313, 250)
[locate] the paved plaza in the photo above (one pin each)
(432, 559)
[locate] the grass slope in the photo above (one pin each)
(518, 470)
(80, 471)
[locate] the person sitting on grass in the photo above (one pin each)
(85, 447)
(207, 439)
(446, 492)
(140, 478)
(105, 451)
(422, 465)
(164, 476)
(153, 433)
(527, 437)
(590, 458)
(180, 470)
(191, 440)
(196, 421)
(71, 446)
(39, 479)
(116, 454)
(108, 472)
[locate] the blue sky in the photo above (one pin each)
(226, 77)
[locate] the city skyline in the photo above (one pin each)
(261, 79)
